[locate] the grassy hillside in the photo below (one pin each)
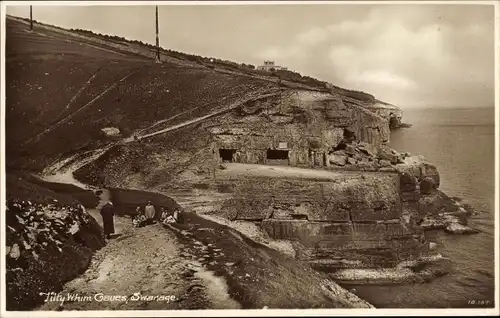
(213, 62)
(64, 86)
(61, 92)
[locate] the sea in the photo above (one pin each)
(461, 143)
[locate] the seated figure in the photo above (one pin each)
(140, 219)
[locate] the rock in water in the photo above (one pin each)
(427, 185)
(457, 228)
(432, 246)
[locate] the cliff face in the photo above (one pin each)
(292, 127)
(303, 165)
(306, 125)
(342, 219)
(391, 114)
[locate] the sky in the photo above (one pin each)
(411, 55)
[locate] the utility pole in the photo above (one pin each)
(157, 59)
(31, 18)
(278, 83)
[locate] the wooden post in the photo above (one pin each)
(278, 82)
(157, 38)
(31, 18)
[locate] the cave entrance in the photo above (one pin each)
(393, 123)
(347, 138)
(349, 135)
(277, 156)
(227, 155)
(299, 217)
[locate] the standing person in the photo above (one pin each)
(178, 216)
(107, 213)
(150, 212)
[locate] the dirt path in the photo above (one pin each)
(143, 268)
(162, 121)
(143, 261)
(277, 171)
(196, 120)
(84, 86)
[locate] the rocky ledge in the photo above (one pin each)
(46, 246)
(448, 214)
(421, 270)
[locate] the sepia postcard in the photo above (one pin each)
(236, 158)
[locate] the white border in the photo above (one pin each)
(3, 198)
(259, 312)
(270, 2)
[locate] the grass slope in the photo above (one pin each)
(61, 93)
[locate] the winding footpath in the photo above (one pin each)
(140, 268)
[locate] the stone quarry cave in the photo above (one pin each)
(227, 155)
(272, 154)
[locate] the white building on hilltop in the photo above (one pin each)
(269, 65)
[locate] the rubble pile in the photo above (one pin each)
(32, 227)
(363, 155)
(46, 246)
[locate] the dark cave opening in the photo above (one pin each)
(277, 154)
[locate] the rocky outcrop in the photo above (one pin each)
(427, 185)
(365, 157)
(111, 131)
(346, 220)
(457, 228)
(421, 270)
(391, 114)
(47, 245)
(431, 208)
(418, 167)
